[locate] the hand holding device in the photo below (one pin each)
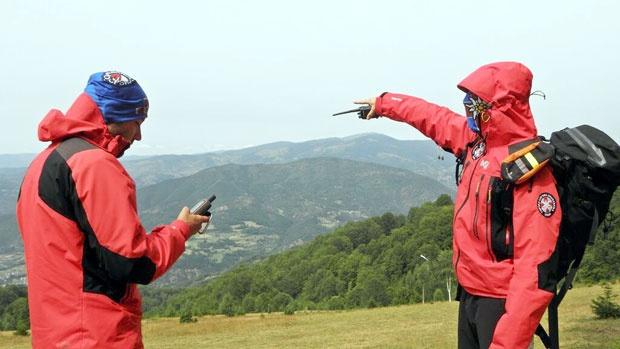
(202, 208)
(362, 112)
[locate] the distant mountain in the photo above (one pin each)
(291, 218)
(421, 157)
(15, 160)
(10, 180)
(261, 209)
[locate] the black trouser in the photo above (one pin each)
(478, 317)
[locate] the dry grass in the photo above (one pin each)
(411, 326)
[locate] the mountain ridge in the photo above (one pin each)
(369, 152)
(265, 208)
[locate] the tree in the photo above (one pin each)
(336, 303)
(604, 307)
(227, 305)
(186, 316)
(445, 272)
(438, 295)
(323, 284)
(342, 243)
(262, 302)
(602, 260)
(388, 222)
(444, 200)
(373, 286)
(280, 301)
(248, 303)
(292, 277)
(16, 317)
(395, 261)
(290, 309)
(362, 232)
(238, 283)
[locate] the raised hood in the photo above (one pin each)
(506, 87)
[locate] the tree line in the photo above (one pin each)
(14, 309)
(385, 260)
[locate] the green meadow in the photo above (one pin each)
(409, 326)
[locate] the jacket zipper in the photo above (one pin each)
(466, 195)
(475, 225)
(458, 257)
(488, 227)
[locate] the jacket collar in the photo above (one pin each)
(82, 120)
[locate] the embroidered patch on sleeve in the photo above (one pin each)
(546, 204)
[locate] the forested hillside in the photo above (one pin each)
(371, 263)
(261, 209)
(267, 208)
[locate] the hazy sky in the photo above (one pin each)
(230, 74)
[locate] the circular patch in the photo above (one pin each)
(546, 204)
(478, 150)
(117, 79)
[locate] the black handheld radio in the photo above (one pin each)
(362, 112)
(202, 208)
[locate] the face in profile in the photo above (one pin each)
(130, 130)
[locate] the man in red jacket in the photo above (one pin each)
(503, 236)
(84, 244)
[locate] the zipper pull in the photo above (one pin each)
(491, 181)
(478, 186)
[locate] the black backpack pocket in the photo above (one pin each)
(500, 217)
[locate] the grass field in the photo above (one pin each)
(411, 326)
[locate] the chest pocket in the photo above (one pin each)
(500, 200)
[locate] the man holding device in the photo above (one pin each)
(84, 245)
(504, 236)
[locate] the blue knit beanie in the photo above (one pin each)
(118, 96)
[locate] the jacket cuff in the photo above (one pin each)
(379, 104)
(182, 227)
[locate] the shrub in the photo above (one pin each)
(290, 309)
(604, 307)
(438, 295)
(336, 303)
(186, 317)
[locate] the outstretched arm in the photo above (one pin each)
(447, 128)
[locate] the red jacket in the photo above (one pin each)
(495, 254)
(84, 244)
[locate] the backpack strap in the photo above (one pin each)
(544, 337)
(552, 340)
(525, 160)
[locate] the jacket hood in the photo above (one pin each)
(82, 120)
(506, 87)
